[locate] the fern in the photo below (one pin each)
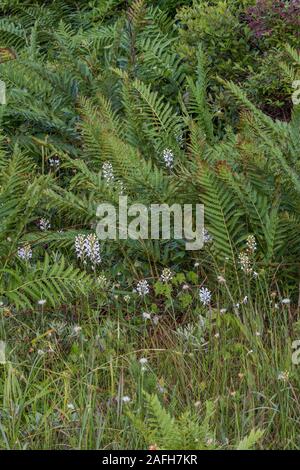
(54, 282)
(185, 432)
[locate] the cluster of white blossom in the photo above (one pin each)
(108, 172)
(92, 248)
(168, 157)
(88, 248)
(44, 224)
(207, 238)
(283, 376)
(54, 162)
(251, 244)
(205, 296)
(25, 252)
(245, 263)
(246, 257)
(166, 275)
(142, 287)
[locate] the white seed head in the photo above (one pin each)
(146, 316)
(126, 399)
(143, 361)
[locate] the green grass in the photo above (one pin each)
(62, 388)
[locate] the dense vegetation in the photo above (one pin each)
(138, 343)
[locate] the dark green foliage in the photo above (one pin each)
(121, 83)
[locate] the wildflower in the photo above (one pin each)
(70, 406)
(205, 296)
(142, 287)
(196, 265)
(42, 301)
(44, 224)
(25, 252)
(185, 287)
(166, 275)
(88, 247)
(80, 246)
(108, 172)
(168, 157)
(155, 320)
(221, 280)
(217, 335)
(92, 249)
(127, 298)
(54, 162)
(143, 361)
(251, 244)
(284, 376)
(126, 399)
(207, 238)
(146, 316)
(40, 352)
(286, 301)
(245, 263)
(257, 333)
(223, 310)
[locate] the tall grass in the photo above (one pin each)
(65, 378)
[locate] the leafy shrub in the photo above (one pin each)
(243, 43)
(225, 40)
(275, 22)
